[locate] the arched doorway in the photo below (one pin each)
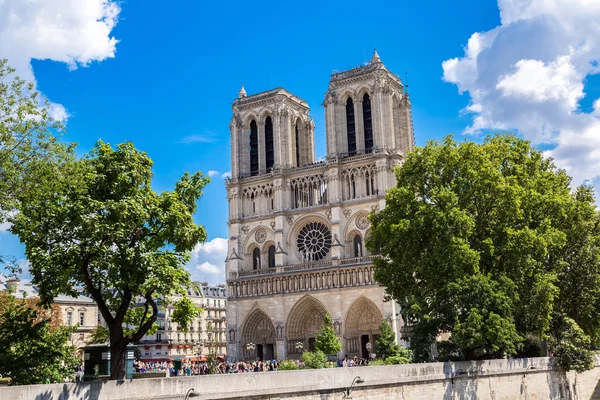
(361, 327)
(259, 331)
(303, 324)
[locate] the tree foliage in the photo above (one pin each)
(97, 223)
(314, 359)
(488, 242)
(326, 340)
(100, 335)
(185, 311)
(387, 349)
(32, 350)
(28, 141)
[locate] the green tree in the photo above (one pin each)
(488, 242)
(388, 350)
(28, 141)
(314, 359)
(385, 345)
(97, 223)
(185, 310)
(32, 351)
(326, 340)
(100, 335)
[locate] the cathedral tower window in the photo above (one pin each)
(350, 127)
(368, 123)
(297, 147)
(270, 151)
(271, 256)
(256, 258)
(253, 148)
(358, 246)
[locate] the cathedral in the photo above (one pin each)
(297, 227)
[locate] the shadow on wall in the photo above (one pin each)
(79, 391)
(458, 387)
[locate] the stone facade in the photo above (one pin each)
(297, 227)
(206, 335)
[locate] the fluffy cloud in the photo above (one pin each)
(217, 174)
(75, 32)
(208, 261)
(528, 75)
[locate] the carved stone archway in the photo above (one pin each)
(303, 323)
(258, 329)
(362, 323)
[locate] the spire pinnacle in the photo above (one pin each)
(242, 92)
(375, 58)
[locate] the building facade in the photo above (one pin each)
(207, 334)
(297, 227)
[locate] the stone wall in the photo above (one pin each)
(532, 378)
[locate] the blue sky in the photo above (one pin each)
(163, 75)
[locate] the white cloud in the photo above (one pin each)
(5, 226)
(208, 261)
(75, 32)
(197, 139)
(208, 268)
(215, 174)
(528, 75)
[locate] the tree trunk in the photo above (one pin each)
(118, 349)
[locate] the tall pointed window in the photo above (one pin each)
(271, 256)
(350, 127)
(297, 147)
(270, 152)
(368, 123)
(253, 148)
(357, 246)
(256, 258)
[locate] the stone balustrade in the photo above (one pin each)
(322, 275)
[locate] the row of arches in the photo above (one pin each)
(258, 256)
(356, 276)
(303, 322)
(269, 146)
(367, 119)
(269, 143)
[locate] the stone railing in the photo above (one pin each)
(301, 280)
(301, 267)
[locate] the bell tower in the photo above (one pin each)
(367, 109)
(269, 131)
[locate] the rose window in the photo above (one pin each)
(314, 241)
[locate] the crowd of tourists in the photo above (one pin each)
(189, 368)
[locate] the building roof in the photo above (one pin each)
(29, 290)
(268, 94)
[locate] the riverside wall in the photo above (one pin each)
(528, 378)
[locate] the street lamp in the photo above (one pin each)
(356, 381)
(191, 393)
